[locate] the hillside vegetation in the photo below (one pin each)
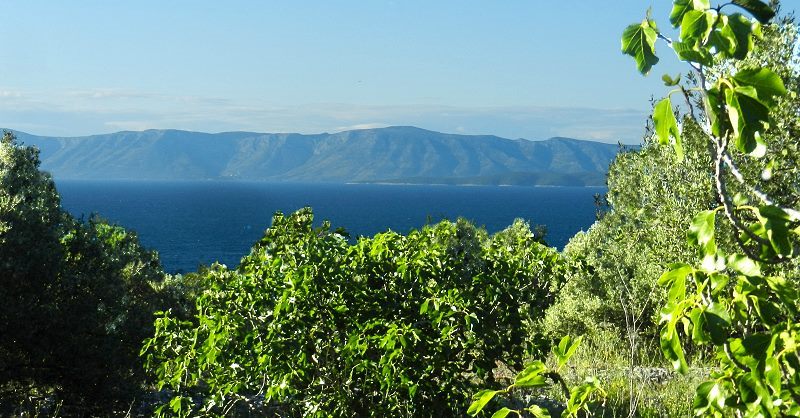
(682, 299)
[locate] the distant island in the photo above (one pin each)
(398, 154)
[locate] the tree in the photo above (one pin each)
(310, 325)
(77, 299)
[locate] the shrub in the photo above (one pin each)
(390, 326)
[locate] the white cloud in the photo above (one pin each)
(360, 126)
(83, 112)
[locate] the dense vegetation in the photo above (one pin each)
(314, 323)
(77, 298)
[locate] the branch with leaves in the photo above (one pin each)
(726, 300)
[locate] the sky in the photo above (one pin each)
(517, 68)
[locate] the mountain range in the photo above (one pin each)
(398, 154)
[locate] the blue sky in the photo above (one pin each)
(516, 68)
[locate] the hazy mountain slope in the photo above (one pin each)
(371, 155)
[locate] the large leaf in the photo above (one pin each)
(743, 265)
(531, 376)
(748, 117)
(480, 400)
(741, 29)
(717, 322)
(709, 395)
(724, 40)
(671, 347)
(502, 412)
(638, 41)
(538, 412)
(677, 271)
(757, 8)
(696, 26)
(666, 125)
(701, 231)
(680, 7)
(776, 222)
(687, 52)
(766, 83)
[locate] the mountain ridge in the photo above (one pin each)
(379, 155)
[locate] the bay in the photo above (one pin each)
(192, 223)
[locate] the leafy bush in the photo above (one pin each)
(651, 197)
(390, 326)
(77, 299)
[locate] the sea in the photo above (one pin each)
(194, 223)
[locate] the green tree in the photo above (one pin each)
(77, 300)
(390, 326)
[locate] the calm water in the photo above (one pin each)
(192, 223)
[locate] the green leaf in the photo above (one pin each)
(749, 389)
(676, 271)
(748, 116)
(741, 29)
(638, 41)
(502, 413)
(709, 395)
(480, 400)
(772, 374)
(776, 222)
(717, 322)
(696, 26)
(698, 320)
(666, 125)
(538, 412)
(786, 292)
(680, 7)
(744, 265)
(531, 376)
(701, 232)
(687, 52)
(671, 347)
(723, 40)
(757, 8)
(766, 83)
(565, 349)
(670, 81)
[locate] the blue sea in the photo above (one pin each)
(197, 223)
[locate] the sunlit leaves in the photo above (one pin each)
(767, 85)
(638, 41)
(681, 7)
(386, 324)
(480, 400)
(739, 29)
(666, 126)
(565, 349)
(696, 26)
(726, 302)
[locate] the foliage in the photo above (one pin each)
(536, 375)
(77, 298)
(732, 300)
(390, 326)
(650, 197)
